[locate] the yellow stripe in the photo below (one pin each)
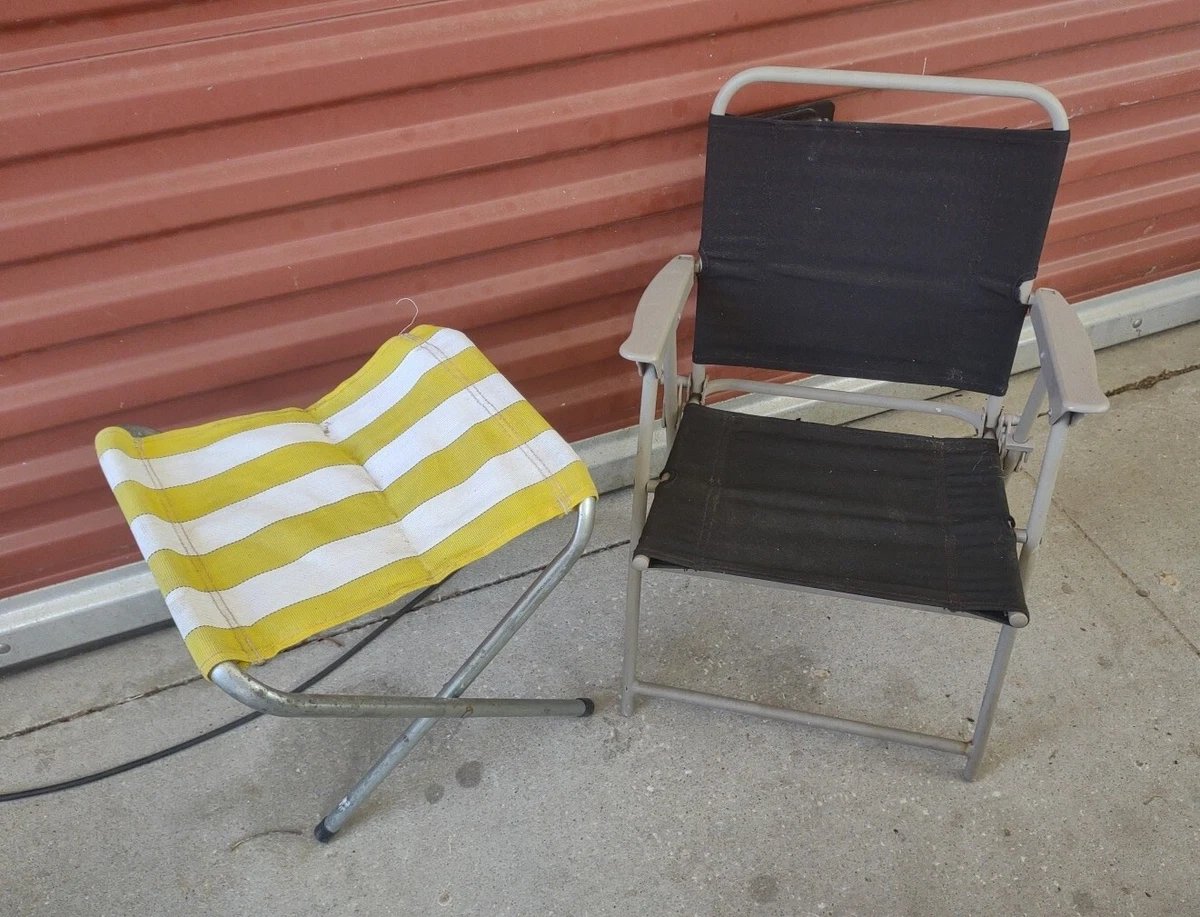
(271, 547)
(378, 368)
(285, 541)
(187, 502)
(175, 442)
(290, 539)
(434, 387)
(190, 501)
(512, 517)
(449, 467)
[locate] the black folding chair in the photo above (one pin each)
(895, 252)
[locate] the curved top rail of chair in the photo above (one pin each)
(861, 79)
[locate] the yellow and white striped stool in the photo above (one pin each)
(266, 529)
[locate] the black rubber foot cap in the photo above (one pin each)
(589, 706)
(323, 834)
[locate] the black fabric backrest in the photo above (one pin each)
(882, 251)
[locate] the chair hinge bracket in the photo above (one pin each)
(1013, 453)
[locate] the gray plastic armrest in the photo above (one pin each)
(658, 312)
(1068, 359)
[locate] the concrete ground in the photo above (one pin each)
(1089, 802)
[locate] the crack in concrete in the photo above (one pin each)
(99, 708)
(345, 629)
(1140, 591)
(1150, 381)
(287, 832)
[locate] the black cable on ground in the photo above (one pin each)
(127, 766)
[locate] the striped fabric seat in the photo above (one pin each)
(265, 529)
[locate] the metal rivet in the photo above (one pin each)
(1137, 323)
(4, 648)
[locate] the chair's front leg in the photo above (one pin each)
(525, 606)
(1043, 495)
(991, 700)
(1038, 513)
(641, 484)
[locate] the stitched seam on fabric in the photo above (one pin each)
(456, 562)
(949, 541)
(226, 421)
(481, 399)
(218, 598)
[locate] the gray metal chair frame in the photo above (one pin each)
(1067, 377)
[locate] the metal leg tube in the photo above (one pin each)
(1042, 496)
(803, 718)
(670, 383)
(1025, 564)
(633, 607)
(1029, 414)
(253, 693)
(991, 699)
(1011, 458)
(1033, 537)
(991, 414)
(468, 671)
(633, 585)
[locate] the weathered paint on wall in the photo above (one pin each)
(210, 208)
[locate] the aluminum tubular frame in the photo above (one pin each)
(986, 423)
(429, 710)
(448, 703)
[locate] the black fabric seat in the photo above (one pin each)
(886, 515)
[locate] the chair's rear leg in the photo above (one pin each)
(525, 606)
(991, 700)
(633, 607)
(633, 585)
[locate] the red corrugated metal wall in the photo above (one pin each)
(213, 207)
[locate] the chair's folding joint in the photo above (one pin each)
(1012, 453)
(652, 484)
(683, 390)
(697, 382)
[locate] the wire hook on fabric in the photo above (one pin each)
(416, 311)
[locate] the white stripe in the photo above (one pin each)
(335, 564)
(239, 520)
(380, 399)
(226, 454)
(441, 427)
(208, 461)
(432, 433)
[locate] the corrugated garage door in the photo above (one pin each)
(213, 207)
